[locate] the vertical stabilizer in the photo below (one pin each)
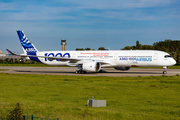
(27, 46)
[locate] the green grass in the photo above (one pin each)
(3, 69)
(65, 97)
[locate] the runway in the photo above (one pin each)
(71, 71)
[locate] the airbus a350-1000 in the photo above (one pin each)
(94, 61)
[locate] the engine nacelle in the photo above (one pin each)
(91, 66)
(122, 68)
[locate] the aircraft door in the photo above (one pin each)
(74, 55)
(155, 56)
(40, 58)
(115, 56)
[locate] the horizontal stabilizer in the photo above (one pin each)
(11, 52)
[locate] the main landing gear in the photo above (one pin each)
(84, 72)
(80, 72)
(164, 70)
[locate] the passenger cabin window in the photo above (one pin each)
(167, 56)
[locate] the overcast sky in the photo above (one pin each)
(111, 24)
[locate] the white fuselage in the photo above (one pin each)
(115, 58)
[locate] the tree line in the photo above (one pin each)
(170, 46)
(81, 49)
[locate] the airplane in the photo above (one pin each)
(94, 61)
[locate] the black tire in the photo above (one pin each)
(164, 72)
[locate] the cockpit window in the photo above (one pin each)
(167, 56)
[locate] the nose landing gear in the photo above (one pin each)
(164, 70)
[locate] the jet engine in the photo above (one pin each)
(122, 68)
(92, 66)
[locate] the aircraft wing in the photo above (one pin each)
(72, 60)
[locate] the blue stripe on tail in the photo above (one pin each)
(28, 46)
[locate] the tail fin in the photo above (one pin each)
(27, 46)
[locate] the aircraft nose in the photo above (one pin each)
(173, 62)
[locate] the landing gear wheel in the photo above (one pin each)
(80, 72)
(164, 72)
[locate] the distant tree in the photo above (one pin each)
(101, 48)
(87, 48)
(127, 48)
(138, 45)
(79, 49)
(147, 47)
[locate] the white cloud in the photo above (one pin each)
(79, 9)
(118, 4)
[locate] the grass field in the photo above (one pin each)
(65, 97)
(3, 69)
